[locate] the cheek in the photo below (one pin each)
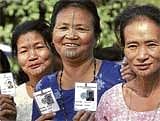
(57, 36)
(88, 40)
(22, 59)
(46, 56)
(155, 54)
(130, 56)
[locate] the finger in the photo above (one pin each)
(85, 116)
(7, 112)
(128, 71)
(125, 68)
(5, 106)
(124, 61)
(45, 117)
(92, 117)
(128, 77)
(6, 98)
(78, 115)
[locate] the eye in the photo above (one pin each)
(40, 46)
(82, 29)
(152, 45)
(22, 51)
(63, 28)
(132, 46)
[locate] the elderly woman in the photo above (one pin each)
(8, 110)
(138, 100)
(30, 47)
(75, 28)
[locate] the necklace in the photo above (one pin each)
(62, 105)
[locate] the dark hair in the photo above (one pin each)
(85, 4)
(40, 26)
(132, 13)
(113, 53)
(4, 63)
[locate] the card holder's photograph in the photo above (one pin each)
(7, 84)
(46, 101)
(85, 96)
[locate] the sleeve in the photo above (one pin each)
(35, 111)
(102, 113)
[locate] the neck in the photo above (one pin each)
(145, 86)
(81, 72)
(33, 81)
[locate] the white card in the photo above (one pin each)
(7, 85)
(85, 96)
(46, 101)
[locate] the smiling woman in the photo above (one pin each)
(139, 99)
(75, 26)
(30, 46)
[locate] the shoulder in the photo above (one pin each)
(110, 71)
(110, 64)
(113, 94)
(21, 87)
(46, 81)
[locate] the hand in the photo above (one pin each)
(46, 117)
(126, 72)
(8, 110)
(84, 116)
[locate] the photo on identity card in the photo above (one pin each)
(7, 85)
(46, 101)
(85, 96)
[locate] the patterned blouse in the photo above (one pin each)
(112, 107)
(23, 103)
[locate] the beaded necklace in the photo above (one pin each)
(62, 105)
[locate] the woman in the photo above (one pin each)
(75, 28)
(8, 110)
(138, 100)
(30, 46)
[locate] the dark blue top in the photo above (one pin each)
(108, 76)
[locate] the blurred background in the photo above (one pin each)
(13, 12)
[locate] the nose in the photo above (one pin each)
(32, 55)
(142, 54)
(71, 34)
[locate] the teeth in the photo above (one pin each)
(71, 45)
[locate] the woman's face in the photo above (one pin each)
(33, 56)
(73, 34)
(142, 46)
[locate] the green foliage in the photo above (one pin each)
(107, 13)
(154, 2)
(17, 11)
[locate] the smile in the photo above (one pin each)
(143, 66)
(34, 66)
(71, 45)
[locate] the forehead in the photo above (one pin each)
(31, 37)
(144, 28)
(76, 14)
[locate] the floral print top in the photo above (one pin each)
(112, 107)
